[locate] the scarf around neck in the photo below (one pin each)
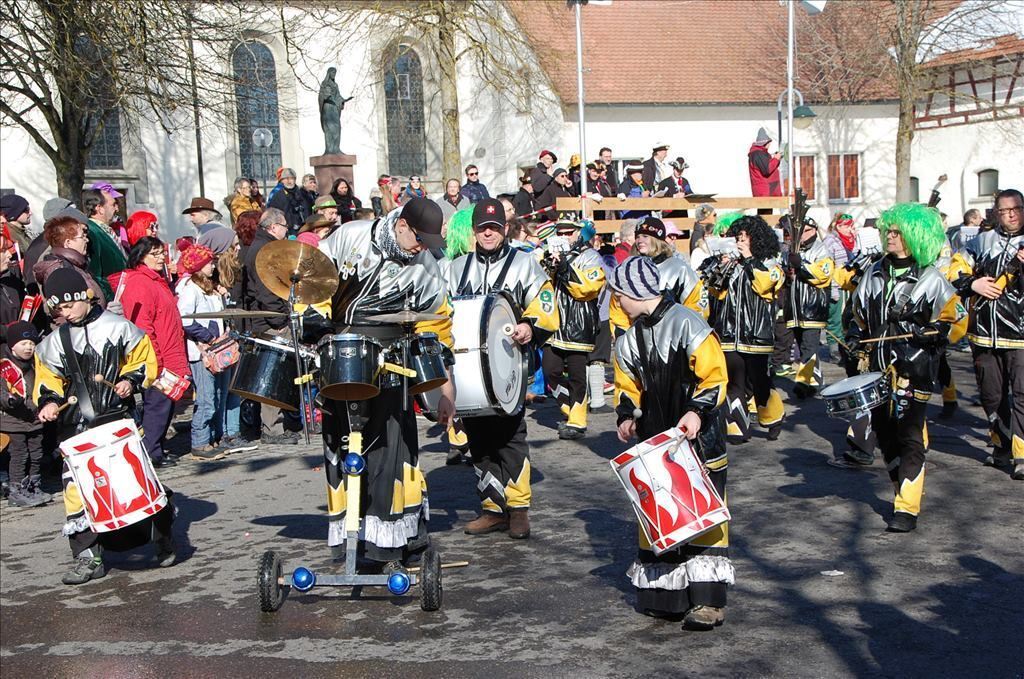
(386, 240)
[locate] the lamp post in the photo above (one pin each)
(801, 116)
(262, 138)
(577, 6)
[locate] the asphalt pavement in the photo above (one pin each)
(821, 589)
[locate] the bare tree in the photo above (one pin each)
(67, 66)
(479, 36)
(861, 50)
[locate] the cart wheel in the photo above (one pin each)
(430, 580)
(271, 593)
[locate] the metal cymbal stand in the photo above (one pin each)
(303, 378)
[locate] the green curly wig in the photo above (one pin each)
(921, 227)
(459, 238)
(724, 222)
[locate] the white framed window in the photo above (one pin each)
(988, 183)
(844, 177)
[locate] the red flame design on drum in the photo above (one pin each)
(667, 509)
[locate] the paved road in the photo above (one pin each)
(947, 600)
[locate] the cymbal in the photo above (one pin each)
(406, 317)
(236, 313)
(277, 263)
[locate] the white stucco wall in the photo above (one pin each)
(961, 152)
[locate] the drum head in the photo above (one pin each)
(851, 384)
(505, 361)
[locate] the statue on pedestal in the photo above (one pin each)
(331, 105)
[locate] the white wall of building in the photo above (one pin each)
(961, 152)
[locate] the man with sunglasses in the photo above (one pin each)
(385, 266)
(498, 444)
(987, 274)
(473, 190)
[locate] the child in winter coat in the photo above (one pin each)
(21, 415)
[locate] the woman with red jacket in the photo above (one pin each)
(148, 302)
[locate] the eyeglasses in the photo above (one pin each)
(1007, 211)
(159, 254)
(82, 236)
(893, 232)
(472, 174)
(414, 179)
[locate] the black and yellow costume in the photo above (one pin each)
(578, 279)
(743, 297)
(497, 443)
(898, 296)
(104, 344)
(995, 329)
(671, 363)
(806, 313)
(376, 277)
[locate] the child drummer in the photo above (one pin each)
(672, 373)
(107, 345)
(905, 297)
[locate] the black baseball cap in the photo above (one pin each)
(425, 217)
(488, 211)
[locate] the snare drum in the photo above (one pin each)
(266, 372)
(855, 395)
(348, 367)
(115, 478)
(672, 496)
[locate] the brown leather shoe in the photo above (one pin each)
(519, 524)
(487, 523)
(703, 618)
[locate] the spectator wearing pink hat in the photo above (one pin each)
(198, 293)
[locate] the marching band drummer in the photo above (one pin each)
(385, 266)
(578, 277)
(497, 443)
(744, 294)
(904, 294)
(673, 373)
(100, 343)
(811, 266)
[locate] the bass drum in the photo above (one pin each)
(490, 368)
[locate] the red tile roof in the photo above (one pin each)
(668, 51)
(1001, 46)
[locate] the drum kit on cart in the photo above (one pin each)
(490, 372)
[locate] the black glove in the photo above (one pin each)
(796, 262)
(926, 336)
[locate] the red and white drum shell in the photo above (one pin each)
(114, 475)
(672, 495)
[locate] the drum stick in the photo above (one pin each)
(72, 400)
(841, 343)
(907, 335)
(453, 564)
(99, 378)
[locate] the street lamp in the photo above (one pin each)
(262, 138)
(577, 5)
(800, 117)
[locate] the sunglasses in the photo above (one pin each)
(472, 174)
(489, 226)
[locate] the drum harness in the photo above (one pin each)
(85, 405)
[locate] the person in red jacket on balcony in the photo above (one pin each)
(148, 302)
(764, 167)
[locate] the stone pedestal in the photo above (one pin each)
(331, 167)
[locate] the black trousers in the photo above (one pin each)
(570, 392)
(749, 376)
(148, 530)
(782, 354)
(157, 412)
(501, 457)
(26, 449)
(1000, 375)
(903, 449)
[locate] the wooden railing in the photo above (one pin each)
(722, 204)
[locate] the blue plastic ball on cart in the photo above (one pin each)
(354, 464)
(303, 579)
(399, 583)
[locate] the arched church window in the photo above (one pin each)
(403, 99)
(255, 76)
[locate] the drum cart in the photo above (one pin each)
(272, 583)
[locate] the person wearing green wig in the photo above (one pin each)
(905, 297)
